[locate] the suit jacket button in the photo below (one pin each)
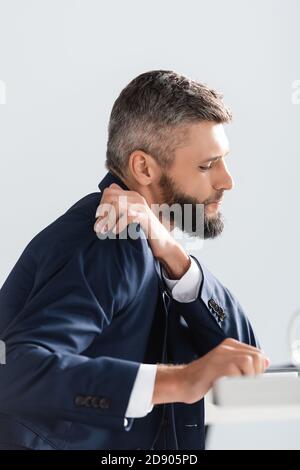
(87, 401)
(104, 402)
(95, 402)
(79, 400)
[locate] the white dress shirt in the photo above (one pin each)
(185, 289)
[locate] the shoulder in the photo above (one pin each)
(72, 236)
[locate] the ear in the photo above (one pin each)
(143, 167)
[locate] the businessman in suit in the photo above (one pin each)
(113, 341)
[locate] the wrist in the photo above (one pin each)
(169, 384)
(175, 261)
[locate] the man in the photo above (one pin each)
(113, 341)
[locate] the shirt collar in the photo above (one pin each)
(110, 178)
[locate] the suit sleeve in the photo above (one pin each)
(214, 315)
(47, 371)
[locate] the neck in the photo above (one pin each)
(145, 191)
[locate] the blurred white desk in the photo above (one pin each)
(270, 397)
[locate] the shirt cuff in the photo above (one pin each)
(185, 289)
(140, 401)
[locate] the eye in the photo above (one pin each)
(206, 167)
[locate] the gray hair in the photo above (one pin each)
(148, 111)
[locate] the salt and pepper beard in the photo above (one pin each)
(213, 224)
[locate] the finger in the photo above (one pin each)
(258, 363)
(103, 211)
(110, 215)
(261, 360)
(256, 358)
(101, 226)
(231, 370)
(123, 222)
(108, 195)
(104, 206)
(238, 345)
(113, 216)
(267, 362)
(245, 364)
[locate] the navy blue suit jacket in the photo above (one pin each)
(78, 316)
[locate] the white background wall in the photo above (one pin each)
(64, 63)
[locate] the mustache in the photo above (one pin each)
(216, 198)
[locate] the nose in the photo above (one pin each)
(223, 179)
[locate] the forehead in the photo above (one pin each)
(207, 138)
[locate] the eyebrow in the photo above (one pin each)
(214, 159)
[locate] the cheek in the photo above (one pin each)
(200, 187)
(192, 182)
